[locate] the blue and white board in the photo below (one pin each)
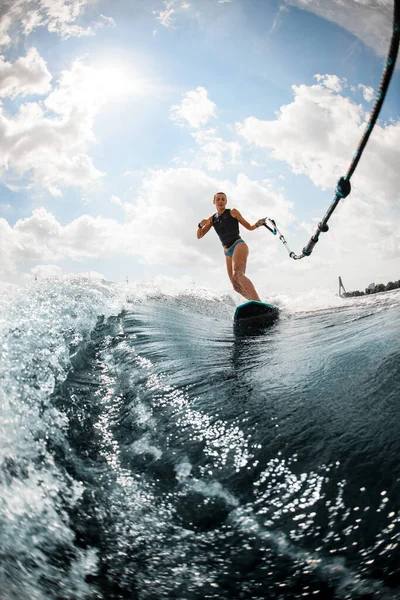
(256, 312)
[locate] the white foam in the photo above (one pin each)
(38, 325)
(184, 292)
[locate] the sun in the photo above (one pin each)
(105, 83)
(91, 86)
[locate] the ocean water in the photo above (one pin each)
(150, 450)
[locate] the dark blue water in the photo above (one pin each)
(149, 450)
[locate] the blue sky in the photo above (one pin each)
(121, 120)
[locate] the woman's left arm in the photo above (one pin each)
(236, 215)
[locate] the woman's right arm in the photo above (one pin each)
(204, 227)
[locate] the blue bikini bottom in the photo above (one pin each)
(229, 252)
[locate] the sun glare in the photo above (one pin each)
(96, 85)
(109, 83)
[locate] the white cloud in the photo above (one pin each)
(41, 237)
(215, 152)
(168, 14)
(175, 12)
(27, 75)
(369, 20)
(196, 108)
(116, 200)
(43, 150)
(367, 91)
(87, 88)
(165, 16)
(317, 135)
(21, 17)
(46, 142)
(331, 82)
(104, 22)
(60, 17)
(282, 8)
(308, 132)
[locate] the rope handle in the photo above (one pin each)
(271, 229)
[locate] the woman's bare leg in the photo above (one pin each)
(236, 267)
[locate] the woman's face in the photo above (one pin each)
(220, 201)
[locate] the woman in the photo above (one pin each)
(226, 224)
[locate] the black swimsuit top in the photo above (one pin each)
(227, 228)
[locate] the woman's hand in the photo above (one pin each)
(204, 227)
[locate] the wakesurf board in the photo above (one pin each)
(254, 312)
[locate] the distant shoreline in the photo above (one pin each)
(373, 289)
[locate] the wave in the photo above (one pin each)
(148, 451)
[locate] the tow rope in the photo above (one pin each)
(343, 187)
